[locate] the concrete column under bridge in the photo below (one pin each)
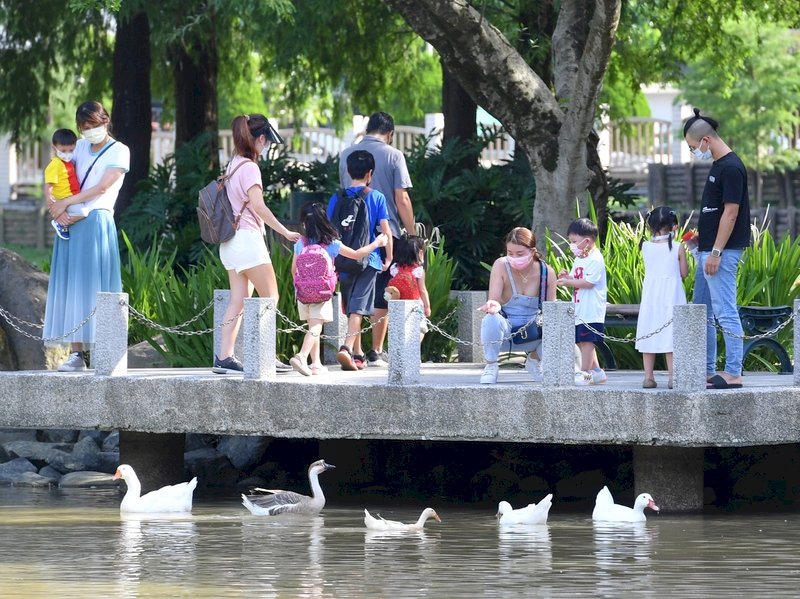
(672, 475)
(157, 458)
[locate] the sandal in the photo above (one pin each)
(345, 358)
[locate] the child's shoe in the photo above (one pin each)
(345, 358)
(300, 365)
(599, 376)
(61, 230)
(583, 378)
(360, 361)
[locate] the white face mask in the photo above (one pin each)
(698, 153)
(95, 135)
(65, 156)
(264, 152)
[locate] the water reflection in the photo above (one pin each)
(525, 548)
(161, 546)
(78, 545)
(620, 550)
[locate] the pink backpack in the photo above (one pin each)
(315, 277)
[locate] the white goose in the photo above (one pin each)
(533, 513)
(605, 510)
(271, 502)
(379, 523)
(172, 498)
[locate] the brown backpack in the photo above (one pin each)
(214, 211)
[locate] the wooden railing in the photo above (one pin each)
(636, 142)
(633, 144)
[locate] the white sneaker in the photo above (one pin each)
(534, 368)
(599, 377)
(75, 363)
(489, 376)
(583, 378)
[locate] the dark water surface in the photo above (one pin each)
(75, 544)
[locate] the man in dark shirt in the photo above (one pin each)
(724, 233)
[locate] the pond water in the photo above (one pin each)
(74, 543)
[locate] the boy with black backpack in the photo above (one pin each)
(359, 213)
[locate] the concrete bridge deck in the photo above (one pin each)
(447, 404)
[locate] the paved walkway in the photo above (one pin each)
(443, 375)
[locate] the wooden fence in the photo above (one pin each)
(26, 224)
(681, 186)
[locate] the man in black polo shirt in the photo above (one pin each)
(724, 233)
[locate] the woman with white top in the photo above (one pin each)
(89, 261)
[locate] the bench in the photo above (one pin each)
(756, 320)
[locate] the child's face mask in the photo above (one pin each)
(580, 247)
(65, 156)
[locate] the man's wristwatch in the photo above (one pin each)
(716, 252)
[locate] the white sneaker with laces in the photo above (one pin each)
(599, 377)
(75, 363)
(534, 368)
(583, 378)
(489, 376)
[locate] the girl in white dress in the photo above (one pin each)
(664, 268)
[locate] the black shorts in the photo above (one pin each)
(584, 335)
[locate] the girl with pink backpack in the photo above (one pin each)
(315, 279)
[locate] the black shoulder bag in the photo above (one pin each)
(103, 151)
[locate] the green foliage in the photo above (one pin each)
(439, 282)
(163, 211)
(45, 47)
(330, 57)
(473, 208)
(757, 95)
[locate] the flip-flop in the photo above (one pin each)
(717, 382)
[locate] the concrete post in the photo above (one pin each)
(110, 355)
(796, 324)
(157, 458)
(672, 475)
(405, 319)
(469, 324)
(221, 299)
(258, 331)
(337, 328)
(558, 344)
(689, 347)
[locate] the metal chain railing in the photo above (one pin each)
(12, 322)
(178, 328)
(765, 335)
(15, 322)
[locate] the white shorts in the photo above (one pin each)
(321, 311)
(246, 249)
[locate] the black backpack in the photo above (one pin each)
(351, 219)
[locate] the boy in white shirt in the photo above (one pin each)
(589, 294)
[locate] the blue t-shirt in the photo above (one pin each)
(376, 210)
(332, 248)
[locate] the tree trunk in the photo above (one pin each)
(195, 65)
(552, 129)
(460, 113)
(130, 114)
